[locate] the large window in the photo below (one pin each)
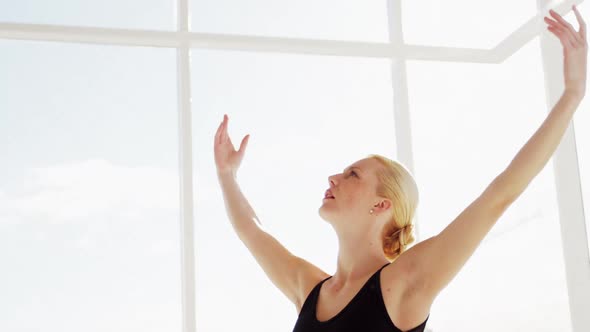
(89, 202)
(463, 23)
(332, 19)
(92, 212)
(129, 14)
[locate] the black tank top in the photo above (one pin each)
(366, 312)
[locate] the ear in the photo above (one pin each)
(383, 205)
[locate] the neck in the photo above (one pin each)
(359, 256)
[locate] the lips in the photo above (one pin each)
(328, 194)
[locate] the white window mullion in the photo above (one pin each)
(568, 191)
(110, 36)
(186, 176)
(401, 107)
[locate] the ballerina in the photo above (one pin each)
(380, 284)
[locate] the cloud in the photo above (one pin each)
(90, 189)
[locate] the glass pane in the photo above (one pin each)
(469, 121)
(132, 14)
(89, 231)
(309, 117)
(331, 19)
(463, 23)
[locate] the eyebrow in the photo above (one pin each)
(353, 167)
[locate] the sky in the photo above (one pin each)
(89, 181)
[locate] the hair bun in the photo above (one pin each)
(405, 233)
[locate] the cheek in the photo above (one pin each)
(354, 197)
(355, 200)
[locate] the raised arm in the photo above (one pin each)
(535, 154)
(439, 258)
(289, 273)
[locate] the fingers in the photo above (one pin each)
(218, 134)
(564, 25)
(580, 22)
(567, 28)
(244, 143)
(224, 129)
(221, 133)
(565, 38)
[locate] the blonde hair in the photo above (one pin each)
(397, 184)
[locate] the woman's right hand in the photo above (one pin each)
(227, 159)
(575, 50)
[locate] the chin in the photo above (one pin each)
(324, 214)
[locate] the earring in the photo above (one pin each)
(371, 211)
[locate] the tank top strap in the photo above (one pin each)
(376, 277)
(312, 298)
(382, 268)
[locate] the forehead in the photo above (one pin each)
(365, 165)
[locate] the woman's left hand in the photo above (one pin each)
(575, 50)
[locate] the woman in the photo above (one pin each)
(378, 284)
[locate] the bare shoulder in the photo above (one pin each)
(310, 276)
(406, 302)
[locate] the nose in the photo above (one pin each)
(332, 180)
